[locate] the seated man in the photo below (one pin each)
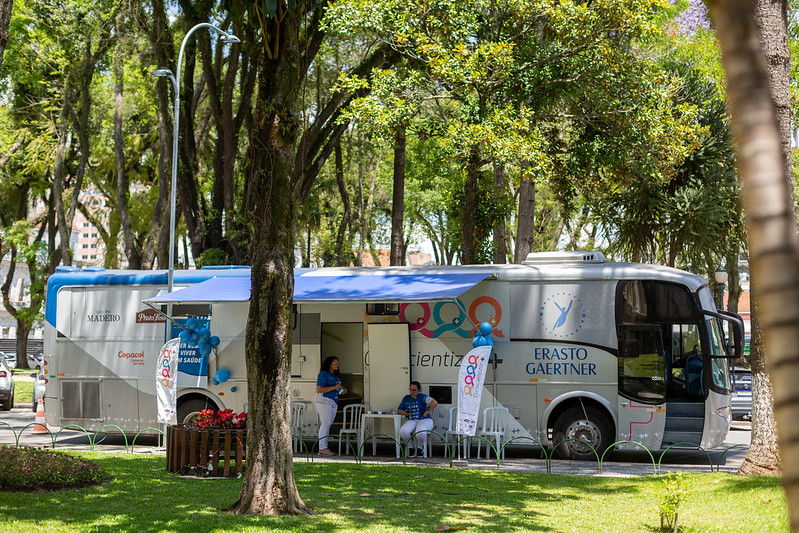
(418, 407)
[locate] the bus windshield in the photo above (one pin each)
(720, 366)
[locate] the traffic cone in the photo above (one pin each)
(41, 424)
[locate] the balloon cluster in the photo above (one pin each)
(196, 334)
(481, 335)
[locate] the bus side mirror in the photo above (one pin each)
(736, 324)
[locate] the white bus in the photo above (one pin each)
(583, 348)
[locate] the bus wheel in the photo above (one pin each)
(188, 412)
(590, 425)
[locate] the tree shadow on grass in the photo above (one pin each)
(346, 497)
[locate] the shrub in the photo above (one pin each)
(28, 469)
(675, 493)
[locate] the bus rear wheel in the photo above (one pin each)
(189, 411)
(578, 425)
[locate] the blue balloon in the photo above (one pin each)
(221, 376)
(192, 323)
(204, 347)
(486, 328)
(214, 341)
(476, 341)
(185, 337)
(482, 341)
(204, 333)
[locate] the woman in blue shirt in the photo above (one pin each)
(418, 407)
(328, 389)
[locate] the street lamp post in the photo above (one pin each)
(226, 38)
(721, 280)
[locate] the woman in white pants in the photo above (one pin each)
(418, 407)
(328, 389)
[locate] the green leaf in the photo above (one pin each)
(269, 6)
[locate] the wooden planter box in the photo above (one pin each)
(191, 451)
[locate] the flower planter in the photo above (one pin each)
(205, 452)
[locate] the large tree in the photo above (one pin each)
(771, 16)
(283, 161)
(771, 225)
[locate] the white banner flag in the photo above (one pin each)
(470, 388)
(166, 387)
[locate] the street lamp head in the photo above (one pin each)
(162, 72)
(229, 38)
(720, 276)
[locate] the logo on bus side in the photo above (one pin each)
(560, 361)
(103, 315)
(562, 315)
(433, 320)
(149, 316)
(136, 358)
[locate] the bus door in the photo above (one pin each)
(642, 383)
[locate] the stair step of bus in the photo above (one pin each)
(685, 423)
(685, 409)
(673, 437)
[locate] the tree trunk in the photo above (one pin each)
(500, 250)
(269, 487)
(398, 199)
(5, 21)
(59, 176)
(131, 252)
(768, 202)
(343, 256)
(525, 223)
(763, 456)
(468, 219)
(23, 329)
(771, 19)
(156, 247)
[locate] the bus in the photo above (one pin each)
(584, 350)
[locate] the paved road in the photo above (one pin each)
(728, 457)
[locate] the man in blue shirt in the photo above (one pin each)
(418, 407)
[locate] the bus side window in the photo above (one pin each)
(685, 361)
(641, 364)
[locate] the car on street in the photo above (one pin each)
(742, 393)
(35, 361)
(6, 386)
(10, 359)
(38, 388)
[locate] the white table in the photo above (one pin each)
(373, 416)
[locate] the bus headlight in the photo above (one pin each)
(725, 413)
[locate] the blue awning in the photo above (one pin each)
(384, 288)
(221, 289)
(317, 287)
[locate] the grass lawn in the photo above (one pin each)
(143, 497)
(23, 392)
(23, 387)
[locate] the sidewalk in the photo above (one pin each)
(517, 459)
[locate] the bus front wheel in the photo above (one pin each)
(189, 411)
(581, 424)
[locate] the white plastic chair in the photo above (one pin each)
(494, 425)
(297, 420)
(350, 425)
(452, 430)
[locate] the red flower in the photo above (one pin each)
(225, 419)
